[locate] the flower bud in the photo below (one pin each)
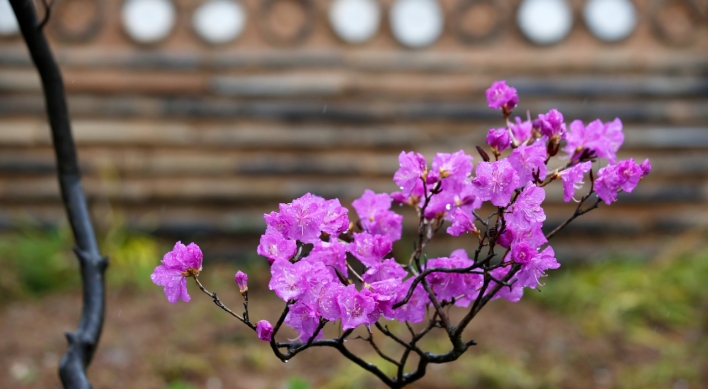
(499, 95)
(499, 139)
(264, 330)
(242, 281)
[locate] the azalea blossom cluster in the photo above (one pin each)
(331, 266)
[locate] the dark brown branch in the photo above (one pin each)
(384, 330)
(370, 340)
(273, 345)
(483, 298)
(438, 308)
(82, 342)
(338, 344)
(578, 212)
(419, 278)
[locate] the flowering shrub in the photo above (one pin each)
(314, 248)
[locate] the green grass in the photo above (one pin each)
(630, 296)
(38, 261)
(661, 306)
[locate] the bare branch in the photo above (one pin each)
(578, 212)
(83, 342)
(221, 305)
(47, 14)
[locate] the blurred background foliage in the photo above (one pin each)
(37, 261)
(660, 306)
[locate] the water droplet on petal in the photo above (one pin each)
(448, 207)
(401, 187)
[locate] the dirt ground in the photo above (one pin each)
(149, 343)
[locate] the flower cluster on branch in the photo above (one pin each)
(329, 267)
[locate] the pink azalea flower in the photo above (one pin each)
(264, 330)
(630, 173)
(499, 95)
(332, 254)
(603, 139)
(499, 139)
(354, 307)
(455, 194)
(473, 282)
(399, 197)
(412, 167)
(414, 310)
(551, 124)
(581, 137)
(533, 235)
(387, 223)
(370, 249)
(178, 264)
(453, 285)
(609, 141)
(316, 275)
(523, 253)
(456, 166)
(532, 271)
(505, 238)
(646, 167)
(462, 222)
(370, 203)
(513, 293)
(573, 179)
(276, 222)
(328, 306)
(388, 269)
(384, 295)
(625, 176)
(304, 319)
(496, 181)
(607, 184)
(521, 130)
(335, 219)
(375, 216)
(288, 279)
(526, 210)
(303, 218)
(320, 283)
(275, 247)
(527, 160)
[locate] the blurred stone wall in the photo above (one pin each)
(190, 139)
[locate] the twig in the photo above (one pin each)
(221, 305)
(429, 271)
(370, 339)
(47, 14)
(575, 214)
